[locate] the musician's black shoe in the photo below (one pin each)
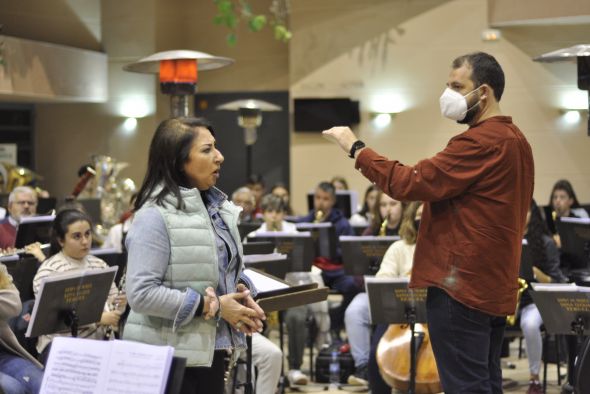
(360, 376)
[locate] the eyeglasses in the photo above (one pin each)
(22, 203)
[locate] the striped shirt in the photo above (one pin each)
(60, 263)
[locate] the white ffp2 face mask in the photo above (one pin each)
(453, 105)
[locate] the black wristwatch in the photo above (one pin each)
(358, 144)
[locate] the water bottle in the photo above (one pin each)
(334, 371)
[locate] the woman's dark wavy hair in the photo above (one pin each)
(534, 235)
(60, 226)
(169, 151)
(365, 209)
(566, 186)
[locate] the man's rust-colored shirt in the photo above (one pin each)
(477, 192)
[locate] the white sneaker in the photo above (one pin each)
(297, 377)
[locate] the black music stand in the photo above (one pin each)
(392, 302)
(283, 296)
(565, 309)
(23, 270)
(70, 300)
(362, 255)
(33, 229)
(298, 246)
(324, 237)
(275, 264)
(258, 248)
(575, 236)
(246, 228)
(114, 258)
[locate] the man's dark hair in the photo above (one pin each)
(169, 152)
(328, 188)
(254, 179)
(485, 70)
(270, 202)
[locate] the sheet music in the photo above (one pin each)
(357, 238)
(264, 283)
(75, 366)
(559, 287)
(279, 234)
(79, 365)
(138, 368)
(575, 220)
(253, 258)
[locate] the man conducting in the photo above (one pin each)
(477, 192)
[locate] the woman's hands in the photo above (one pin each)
(110, 318)
(211, 303)
(241, 312)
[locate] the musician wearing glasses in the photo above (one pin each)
(22, 202)
(184, 282)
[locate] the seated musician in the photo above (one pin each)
(256, 184)
(280, 189)
(332, 272)
(546, 269)
(397, 262)
(564, 203)
(386, 216)
(22, 202)
(70, 245)
(365, 215)
(19, 371)
(243, 197)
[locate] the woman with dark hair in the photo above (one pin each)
(184, 273)
(279, 189)
(564, 202)
(70, 246)
(545, 258)
(364, 216)
(386, 216)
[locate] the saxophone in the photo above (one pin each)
(319, 216)
(522, 285)
(383, 228)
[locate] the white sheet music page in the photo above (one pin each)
(75, 366)
(138, 368)
(91, 366)
(264, 283)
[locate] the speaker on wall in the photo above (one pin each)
(318, 114)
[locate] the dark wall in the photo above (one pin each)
(270, 153)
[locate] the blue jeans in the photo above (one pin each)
(345, 285)
(18, 375)
(358, 329)
(467, 344)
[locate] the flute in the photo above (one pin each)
(21, 250)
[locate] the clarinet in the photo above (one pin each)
(110, 331)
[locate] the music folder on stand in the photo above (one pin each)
(362, 255)
(70, 300)
(275, 294)
(392, 302)
(565, 309)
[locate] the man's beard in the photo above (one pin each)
(471, 113)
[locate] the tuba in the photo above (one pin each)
(12, 176)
